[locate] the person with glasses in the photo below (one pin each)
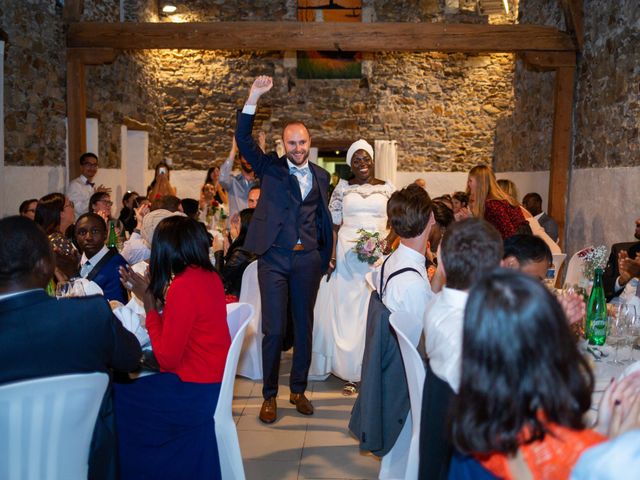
(100, 203)
(80, 189)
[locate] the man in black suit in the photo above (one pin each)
(291, 231)
(623, 265)
(41, 336)
(533, 203)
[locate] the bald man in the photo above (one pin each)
(291, 231)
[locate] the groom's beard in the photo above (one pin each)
(295, 161)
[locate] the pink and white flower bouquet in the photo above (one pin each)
(369, 246)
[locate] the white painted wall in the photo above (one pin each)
(603, 206)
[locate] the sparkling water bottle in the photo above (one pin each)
(596, 326)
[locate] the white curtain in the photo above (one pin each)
(386, 157)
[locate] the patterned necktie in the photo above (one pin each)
(304, 179)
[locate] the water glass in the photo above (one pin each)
(628, 312)
(616, 331)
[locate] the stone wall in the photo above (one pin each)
(607, 112)
(34, 83)
(607, 101)
(443, 109)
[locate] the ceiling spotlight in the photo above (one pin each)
(169, 8)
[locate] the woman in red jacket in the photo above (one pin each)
(165, 421)
(487, 200)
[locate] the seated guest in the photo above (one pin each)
(165, 421)
(525, 387)
(191, 210)
(533, 203)
(443, 216)
(460, 202)
(623, 267)
(470, 248)
(99, 263)
(253, 196)
(41, 336)
(488, 201)
(127, 214)
(100, 203)
(237, 258)
(531, 255)
(55, 214)
(138, 247)
(510, 189)
(411, 218)
(28, 208)
(166, 202)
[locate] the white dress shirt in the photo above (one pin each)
(79, 192)
(87, 264)
(443, 321)
(135, 249)
(407, 292)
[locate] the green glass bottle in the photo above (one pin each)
(112, 241)
(596, 326)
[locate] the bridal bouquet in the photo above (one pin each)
(592, 258)
(369, 246)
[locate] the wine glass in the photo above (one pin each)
(628, 312)
(616, 331)
(63, 289)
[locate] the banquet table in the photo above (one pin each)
(604, 370)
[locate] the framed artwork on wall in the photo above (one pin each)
(329, 64)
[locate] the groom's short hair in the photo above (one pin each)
(408, 211)
(469, 249)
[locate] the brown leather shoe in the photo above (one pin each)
(302, 403)
(269, 410)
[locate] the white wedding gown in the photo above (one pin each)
(340, 313)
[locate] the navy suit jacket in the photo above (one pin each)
(276, 195)
(41, 337)
(108, 279)
(611, 272)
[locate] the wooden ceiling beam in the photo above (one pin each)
(359, 37)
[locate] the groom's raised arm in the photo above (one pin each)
(249, 149)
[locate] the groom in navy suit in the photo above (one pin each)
(291, 230)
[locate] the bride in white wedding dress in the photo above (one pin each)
(340, 313)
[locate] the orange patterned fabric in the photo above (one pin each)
(549, 459)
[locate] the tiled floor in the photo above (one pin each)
(297, 446)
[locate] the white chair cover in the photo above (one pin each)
(574, 269)
(250, 364)
(238, 317)
(404, 458)
(46, 426)
(558, 260)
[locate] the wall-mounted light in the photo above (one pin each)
(169, 8)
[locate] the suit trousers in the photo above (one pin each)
(287, 279)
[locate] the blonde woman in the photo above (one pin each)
(487, 200)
